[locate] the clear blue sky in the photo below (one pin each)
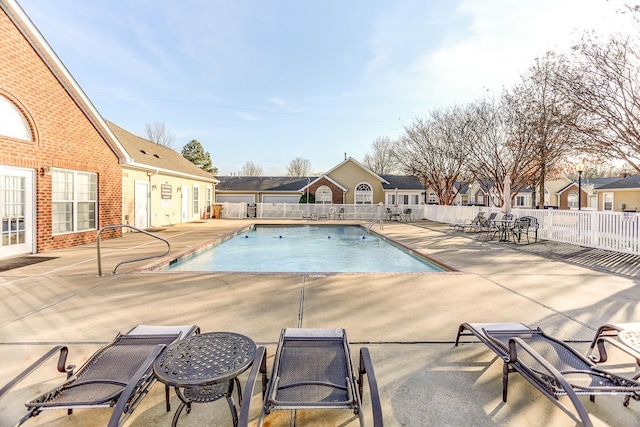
(268, 81)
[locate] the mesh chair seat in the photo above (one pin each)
(549, 364)
(117, 375)
(312, 370)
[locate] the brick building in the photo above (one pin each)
(60, 173)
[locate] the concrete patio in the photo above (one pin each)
(408, 321)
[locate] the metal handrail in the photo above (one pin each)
(130, 260)
(372, 223)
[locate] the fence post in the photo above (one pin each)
(593, 232)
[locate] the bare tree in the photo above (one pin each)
(543, 118)
(251, 169)
(299, 167)
(382, 159)
(436, 150)
(604, 83)
(158, 133)
(497, 149)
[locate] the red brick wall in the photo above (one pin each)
(62, 137)
(336, 192)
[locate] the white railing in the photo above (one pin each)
(615, 231)
(306, 211)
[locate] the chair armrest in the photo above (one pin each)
(259, 367)
(616, 343)
(366, 367)
(582, 416)
(62, 360)
(121, 406)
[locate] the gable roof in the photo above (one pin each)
(630, 182)
(403, 182)
(261, 183)
(360, 165)
(325, 178)
(37, 41)
(145, 154)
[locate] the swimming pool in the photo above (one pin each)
(305, 249)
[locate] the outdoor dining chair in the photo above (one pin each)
(118, 375)
(312, 370)
(549, 364)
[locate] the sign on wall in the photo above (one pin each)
(165, 192)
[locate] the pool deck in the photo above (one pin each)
(408, 322)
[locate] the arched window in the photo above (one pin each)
(432, 198)
(363, 194)
(13, 124)
(323, 194)
(572, 199)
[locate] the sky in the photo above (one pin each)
(267, 81)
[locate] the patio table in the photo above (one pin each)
(204, 368)
(503, 225)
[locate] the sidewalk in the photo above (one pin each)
(408, 321)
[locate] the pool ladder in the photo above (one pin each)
(374, 222)
(130, 260)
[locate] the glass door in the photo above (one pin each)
(16, 211)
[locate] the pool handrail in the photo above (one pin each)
(131, 260)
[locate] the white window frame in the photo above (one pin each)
(196, 200)
(572, 199)
(208, 198)
(69, 200)
(607, 201)
(13, 123)
(363, 194)
(324, 195)
(432, 198)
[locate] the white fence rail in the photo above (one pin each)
(616, 231)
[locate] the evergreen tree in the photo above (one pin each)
(194, 152)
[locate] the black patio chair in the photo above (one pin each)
(552, 366)
(312, 370)
(118, 375)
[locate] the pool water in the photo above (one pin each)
(305, 249)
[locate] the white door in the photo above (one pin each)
(16, 211)
(141, 199)
(185, 204)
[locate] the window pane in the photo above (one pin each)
(86, 216)
(62, 217)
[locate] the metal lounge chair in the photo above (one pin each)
(488, 229)
(312, 370)
(470, 224)
(552, 366)
(467, 222)
(118, 375)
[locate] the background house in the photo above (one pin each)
(159, 186)
(349, 182)
(60, 173)
(621, 195)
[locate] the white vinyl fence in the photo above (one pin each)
(617, 231)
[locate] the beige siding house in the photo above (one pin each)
(348, 183)
(619, 196)
(159, 186)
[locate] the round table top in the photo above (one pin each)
(206, 358)
(630, 337)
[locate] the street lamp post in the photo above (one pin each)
(580, 169)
